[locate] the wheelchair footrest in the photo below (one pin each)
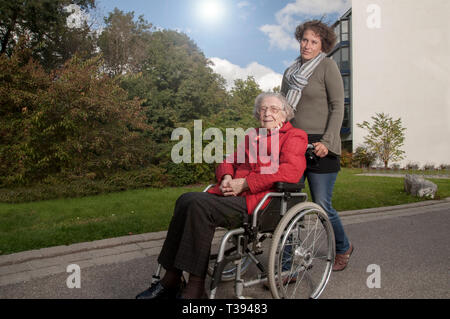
(219, 267)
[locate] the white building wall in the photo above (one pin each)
(401, 66)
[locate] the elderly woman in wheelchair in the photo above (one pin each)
(257, 197)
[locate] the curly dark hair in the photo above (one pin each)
(325, 33)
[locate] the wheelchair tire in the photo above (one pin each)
(302, 253)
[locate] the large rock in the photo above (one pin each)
(420, 187)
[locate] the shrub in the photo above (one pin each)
(412, 166)
(428, 167)
(60, 186)
(188, 174)
(364, 157)
(346, 159)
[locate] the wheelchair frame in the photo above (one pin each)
(247, 234)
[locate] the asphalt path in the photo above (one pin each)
(408, 250)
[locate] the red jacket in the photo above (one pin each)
(289, 168)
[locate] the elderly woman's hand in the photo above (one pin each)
(225, 186)
(238, 185)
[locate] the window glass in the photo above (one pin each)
(345, 54)
(344, 26)
(337, 30)
(346, 86)
(345, 59)
(337, 57)
(346, 79)
(346, 121)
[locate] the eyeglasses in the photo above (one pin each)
(273, 109)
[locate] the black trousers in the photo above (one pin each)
(191, 230)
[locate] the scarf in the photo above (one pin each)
(297, 76)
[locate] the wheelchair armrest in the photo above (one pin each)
(208, 187)
(289, 187)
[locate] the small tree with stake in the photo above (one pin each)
(385, 138)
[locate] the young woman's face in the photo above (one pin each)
(310, 45)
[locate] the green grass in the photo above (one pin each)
(49, 223)
(66, 221)
(359, 192)
(441, 172)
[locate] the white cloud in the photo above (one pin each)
(264, 76)
(179, 30)
(281, 35)
(316, 7)
(245, 8)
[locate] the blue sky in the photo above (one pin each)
(241, 37)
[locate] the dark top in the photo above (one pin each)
(328, 164)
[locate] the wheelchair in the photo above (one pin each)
(301, 253)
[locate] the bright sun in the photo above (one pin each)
(211, 10)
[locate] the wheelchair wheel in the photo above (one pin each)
(302, 253)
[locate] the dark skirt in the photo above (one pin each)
(191, 230)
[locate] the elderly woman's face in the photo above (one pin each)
(271, 113)
(310, 46)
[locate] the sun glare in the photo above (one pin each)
(211, 10)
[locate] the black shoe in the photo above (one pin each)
(157, 291)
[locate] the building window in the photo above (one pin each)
(337, 57)
(337, 30)
(344, 31)
(346, 122)
(346, 80)
(345, 59)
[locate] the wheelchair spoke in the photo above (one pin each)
(311, 231)
(311, 247)
(298, 282)
(310, 280)
(302, 251)
(321, 257)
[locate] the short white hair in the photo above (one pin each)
(286, 107)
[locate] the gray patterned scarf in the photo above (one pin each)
(297, 76)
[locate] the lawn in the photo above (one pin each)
(66, 221)
(358, 192)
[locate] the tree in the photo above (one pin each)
(176, 84)
(74, 121)
(385, 138)
(124, 42)
(43, 23)
(22, 81)
(239, 110)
